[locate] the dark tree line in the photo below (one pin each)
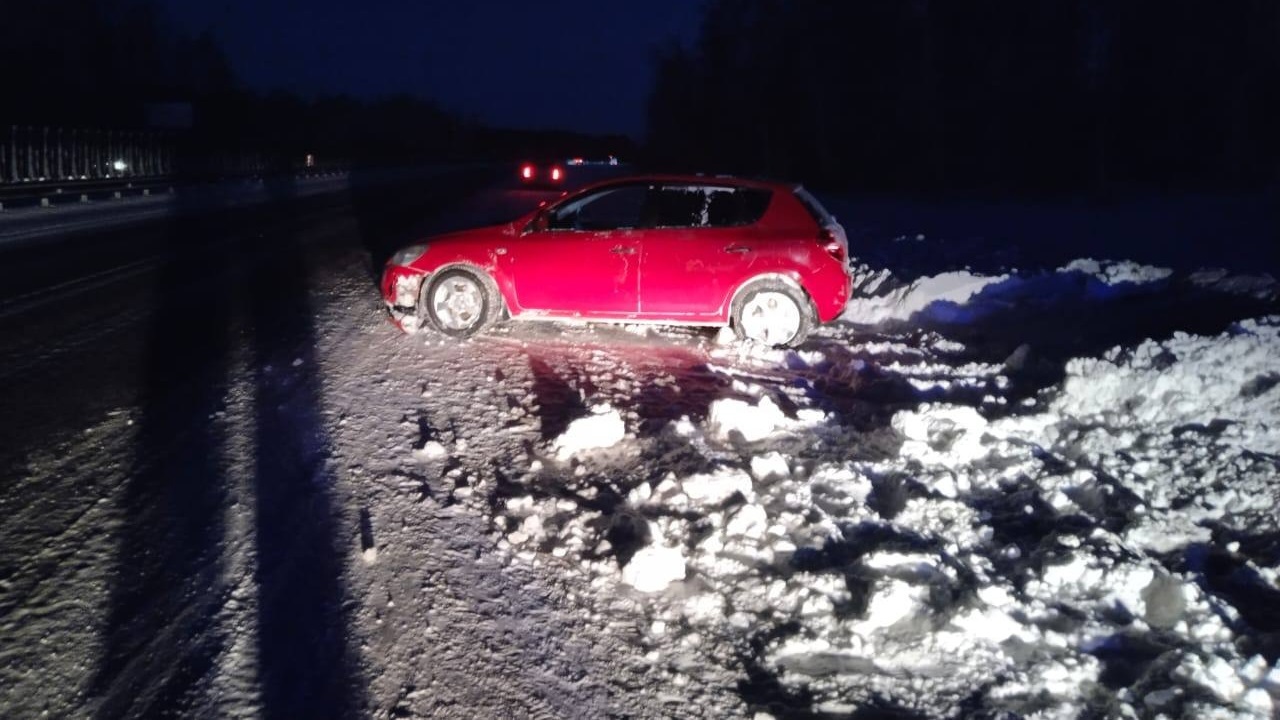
(101, 63)
(97, 61)
(972, 94)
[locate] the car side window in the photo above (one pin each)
(669, 206)
(703, 206)
(609, 209)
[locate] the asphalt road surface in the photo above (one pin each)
(182, 538)
(231, 488)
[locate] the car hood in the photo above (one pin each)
(462, 242)
(486, 232)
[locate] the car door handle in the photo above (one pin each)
(623, 250)
(738, 249)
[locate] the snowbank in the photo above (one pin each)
(878, 297)
(1028, 557)
(906, 300)
(1116, 272)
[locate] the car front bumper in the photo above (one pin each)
(401, 287)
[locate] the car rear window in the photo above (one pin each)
(704, 206)
(819, 213)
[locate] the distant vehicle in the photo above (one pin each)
(546, 174)
(764, 258)
(610, 160)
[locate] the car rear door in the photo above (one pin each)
(585, 262)
(701, 243)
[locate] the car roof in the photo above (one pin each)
(696, 179)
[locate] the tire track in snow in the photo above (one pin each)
(504, 639)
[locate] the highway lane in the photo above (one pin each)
(168, 481)
(74, 310)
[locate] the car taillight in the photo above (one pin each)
(832, 244)
(526, 172)
(555, 173)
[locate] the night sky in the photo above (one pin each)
(573, 64)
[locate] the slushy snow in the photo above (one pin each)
(1023, 553)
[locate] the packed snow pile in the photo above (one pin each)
(1168, 385)
(1047, 563)
(904, 301)
(957, 296)
(1261, 287)
(1116, 272)
(654, 567)
(430, 450)
(603, 428)
(730, 417)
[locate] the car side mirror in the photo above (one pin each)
(539, 223)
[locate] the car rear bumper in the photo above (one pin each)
(830, 291)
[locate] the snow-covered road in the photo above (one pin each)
(1048, 493)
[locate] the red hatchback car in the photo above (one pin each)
(763, 257)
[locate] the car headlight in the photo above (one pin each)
(407, 255)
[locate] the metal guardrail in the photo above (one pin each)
(35, 155)
(47, 166)
(10, 191)
(57, 194)
(30, 154)
(80, 192)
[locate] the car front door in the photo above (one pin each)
(583, 258)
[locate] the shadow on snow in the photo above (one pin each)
(171, 606)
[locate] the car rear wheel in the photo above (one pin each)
(459, 303)
(772, 312)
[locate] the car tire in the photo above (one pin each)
(459, 302)
(773, 312)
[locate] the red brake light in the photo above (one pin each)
(832, 244)
(555, 173)
(526, 172)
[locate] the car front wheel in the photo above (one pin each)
(772, 312)
(458, 303)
